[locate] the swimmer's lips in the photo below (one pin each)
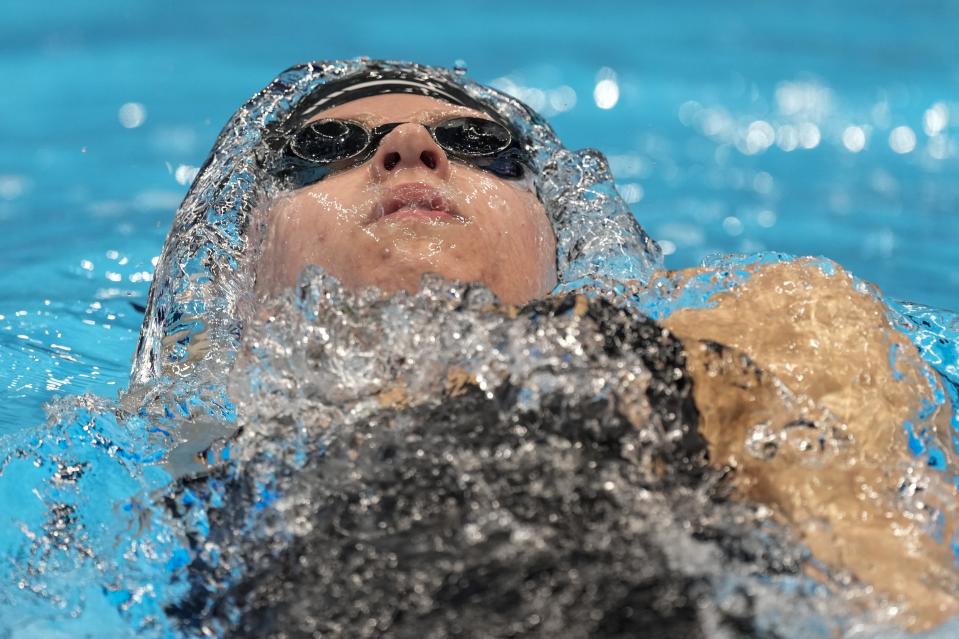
(414, 201)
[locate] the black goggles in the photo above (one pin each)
(323, 147)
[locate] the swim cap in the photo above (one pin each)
(203, 285)
(377, 79)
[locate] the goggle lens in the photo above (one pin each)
(472, 136)
(324, 146)
(327, 141)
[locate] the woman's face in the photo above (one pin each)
(409, 210)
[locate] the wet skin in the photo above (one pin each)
(821, 349)
(410, 210)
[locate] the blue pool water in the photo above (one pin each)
(85, 202)
(741, 127)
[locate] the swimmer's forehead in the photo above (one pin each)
(375, 110)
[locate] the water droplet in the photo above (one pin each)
(854, 138)
(902, 139)
(131, 115)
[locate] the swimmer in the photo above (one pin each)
(426, 186)
(382, 181)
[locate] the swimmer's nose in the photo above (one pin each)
(409, 146)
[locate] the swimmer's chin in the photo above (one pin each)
(415, 280)
(409, 276)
